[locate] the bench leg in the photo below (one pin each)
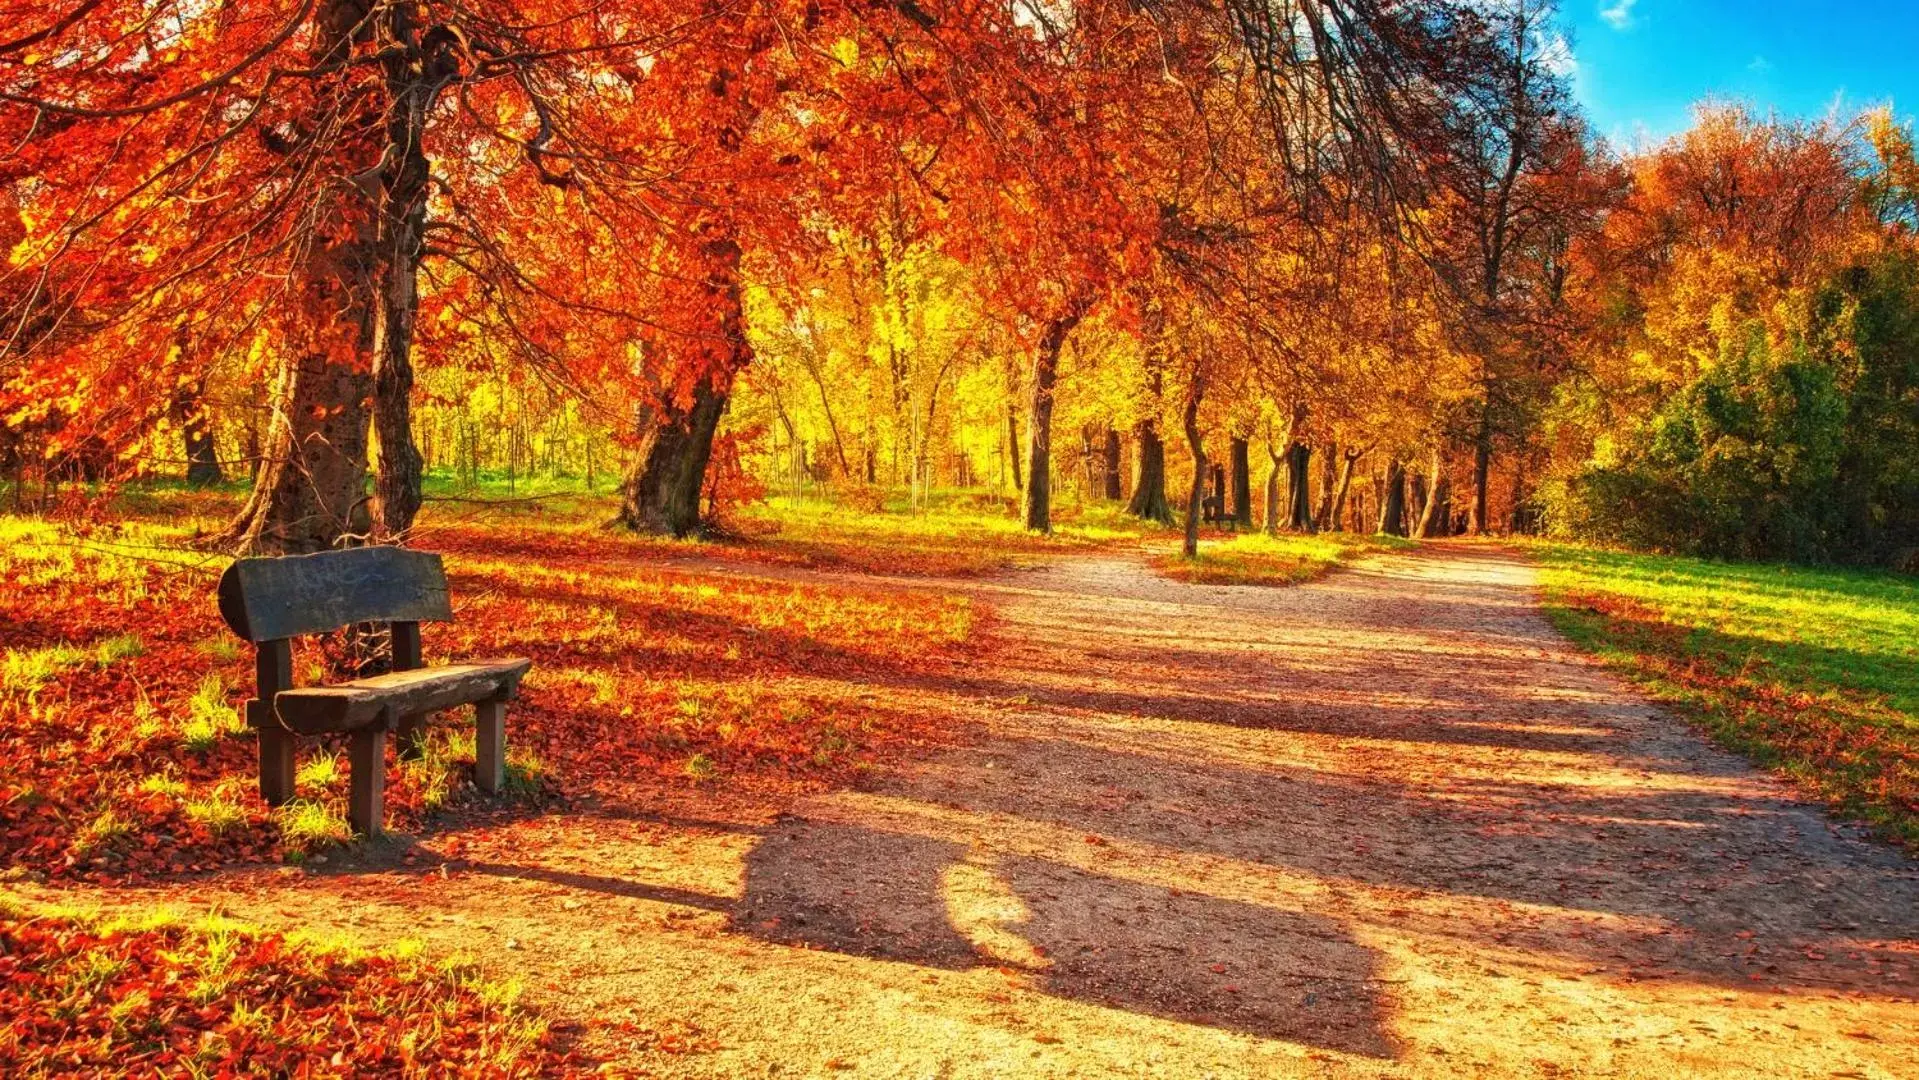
(489, 745)
(276, 764)
(409, 739)
(366, 804)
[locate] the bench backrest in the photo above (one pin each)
(294, 595)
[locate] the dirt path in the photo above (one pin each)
(1386, 824)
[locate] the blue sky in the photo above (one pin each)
(1643, 63)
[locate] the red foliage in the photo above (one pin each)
(643, 673)
(82, 998)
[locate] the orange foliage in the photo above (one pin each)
(80, 998)
(644, 673)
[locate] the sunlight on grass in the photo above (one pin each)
(107, 827)
(1263, 559)
(1814, 672)
(307, 826)
(171, 787)
(26, 672)
(216, 811)
(319, 771)
(209, 717)
(957, 533)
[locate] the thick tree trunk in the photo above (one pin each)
(1196, 494)
(662, 493)
(1482, 470)
(309, 494)
(1342, 486)
(309, 490)
(196, 435)
(1114, 485)
(1299, 509)
(1392, 501)
(1432, 516)
(1149, 487)
(1039, 462)
(1242, 483)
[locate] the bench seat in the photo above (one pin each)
(386, 700)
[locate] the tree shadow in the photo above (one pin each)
(1082, 936)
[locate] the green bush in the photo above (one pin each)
(1799, 441)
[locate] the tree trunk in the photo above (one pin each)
(1242, 483)
(309, 491)
(1342, 486)
(662, 493)
(1114, 490)
(1482, 470)
(1432, 517)
(1196, 495)
(1039, 463)
(415, 73)
(1299, 508)
(1278, 461)
(1392, 502)
(196, 433)
(1012, 445)
(1328, 478)
(1519, 517)
(1149, 488)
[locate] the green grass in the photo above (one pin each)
(951, 532)
(209, 718)
(108, 827)
(217, 811)
(1260, 559)
(28, 671)
(119, 647)
(1814, 672)
(307, 826)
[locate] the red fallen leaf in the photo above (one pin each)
(1219, 969)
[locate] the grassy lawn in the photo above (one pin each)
(1259, 559)
(954, 533)
(1811, 672)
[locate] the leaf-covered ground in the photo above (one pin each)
(789, 807)
(1812, 672)
(119, 685)
(162, 996)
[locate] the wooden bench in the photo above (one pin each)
(269, 602)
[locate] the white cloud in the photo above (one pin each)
(1618, 14)
(1557, 54)
(1759, 66)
